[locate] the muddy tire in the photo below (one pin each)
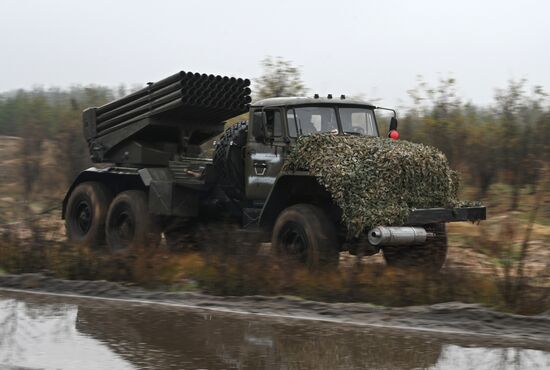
(86, 212)
(229, 161)
(129, 223)
(429, 257)
(305, 235)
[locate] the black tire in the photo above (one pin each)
(228, 160)
(129, 223)
(86, 212)
(429, 257)
(304, 234)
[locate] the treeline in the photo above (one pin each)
(49, 122)
(506, 141)
(50, 108)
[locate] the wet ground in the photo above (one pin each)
(41, 331)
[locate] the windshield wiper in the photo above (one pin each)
(352, 133)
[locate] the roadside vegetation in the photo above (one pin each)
(501, 151)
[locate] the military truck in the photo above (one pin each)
(159, 178)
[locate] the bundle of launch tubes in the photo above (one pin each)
(184, 96)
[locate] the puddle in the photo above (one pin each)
(46, 332)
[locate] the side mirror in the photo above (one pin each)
(393, 124)
(393, 134)
(259, 126)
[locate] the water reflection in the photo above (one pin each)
(37, 333)
(455, 357)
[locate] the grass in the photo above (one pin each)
(234, 274)
(499, 198)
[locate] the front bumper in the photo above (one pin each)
(440, 215)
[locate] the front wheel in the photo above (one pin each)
(129, 223)
(429, 257)
(304, 234)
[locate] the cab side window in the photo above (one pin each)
(274, 123)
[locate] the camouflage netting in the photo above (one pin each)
(376, 181)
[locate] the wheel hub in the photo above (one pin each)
(84, 216)
(125, 227)
(294, 241)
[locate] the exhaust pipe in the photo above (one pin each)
(382, 236)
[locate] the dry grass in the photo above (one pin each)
(234, 274)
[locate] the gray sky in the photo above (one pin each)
(372, 47)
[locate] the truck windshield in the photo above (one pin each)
(358, 121)
(311, 120)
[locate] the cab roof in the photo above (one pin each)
(291, 101)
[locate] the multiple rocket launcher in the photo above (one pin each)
(184, 96)
(193, 103)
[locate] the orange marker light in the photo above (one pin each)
(394, 135)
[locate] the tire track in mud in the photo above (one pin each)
(453, 318)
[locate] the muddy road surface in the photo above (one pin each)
(39, 330)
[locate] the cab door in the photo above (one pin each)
(264, 158)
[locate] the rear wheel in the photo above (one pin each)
(129, 223)
(429, 257)
(305, 235)
(86, 213)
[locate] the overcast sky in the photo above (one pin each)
(372, 47)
